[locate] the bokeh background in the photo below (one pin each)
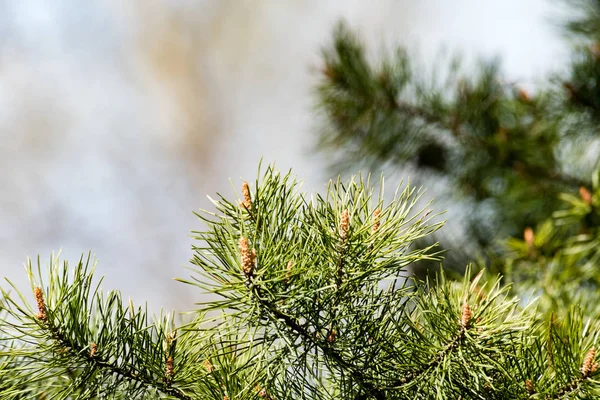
(117, 118)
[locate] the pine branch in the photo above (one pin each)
(304, 314)
(324, 345)
(95, 361)
(79, 334)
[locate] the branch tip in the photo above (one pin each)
(247, 202)
(93, 349)
(344, 225)
(465, 318)
(589, 367)
(247, 257)
(288, 271)
(585, 194)
(376, 221)
(39, 298)
(169, 367)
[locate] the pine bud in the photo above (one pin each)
(262, 392)
(288, 271)
(529, 386)
(588, 366)
(344, 225)
(225, 397)
(528, 236)
(39, 298)
(247, 258)
(585, 195)
(376, 222)
(524, 96)
(169, 367)
(247, 202)
(465, 319)
(93, 349)
(331, 337)
(208, 366)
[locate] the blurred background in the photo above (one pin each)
(118, 118)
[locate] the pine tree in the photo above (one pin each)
(311, 300)
(508, 152)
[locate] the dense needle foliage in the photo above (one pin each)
(311, 300)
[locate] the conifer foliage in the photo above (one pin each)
(506, 152)
(312, 299)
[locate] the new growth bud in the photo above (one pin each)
(524, 96)
(528, 236)
(344, 225)
(39, 298)
(288, 271)
(529, 386)
(247, 202)
(465, 318)
(262, 392)
(93, 349)
(248, 258)
(589, 367)
(586, 196)
(376, 221)
(169, 367)
(331, 337)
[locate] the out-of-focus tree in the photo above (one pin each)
(509, 152)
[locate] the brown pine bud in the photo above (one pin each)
(331, 337)
(344, 225)
(93, 349)
(247, 202)
(529, 386)
(247, 257)
(169, 367)
(262, 392)
(586, 196)
(208, 366)
(524, 96)
(587, 368)
(528, 236)
(376, 222)
(39, 298)
(288, 271)
(465, 318)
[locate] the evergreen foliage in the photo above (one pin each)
(508, 152)
(311, 300)
(313, 297)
